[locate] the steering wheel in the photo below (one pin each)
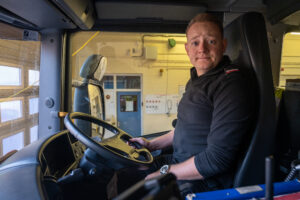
(116, 147)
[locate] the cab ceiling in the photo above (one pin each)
(170, 10)
(40, 14)
(129, 8)
(45, 14)
(164, 16)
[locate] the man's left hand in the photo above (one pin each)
(152, 175)
(183, 171)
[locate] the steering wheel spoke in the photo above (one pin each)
(117, 147)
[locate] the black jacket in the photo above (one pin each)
(214, 116)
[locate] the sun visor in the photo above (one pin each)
(135, 11)
(81, 12)
(94, 67)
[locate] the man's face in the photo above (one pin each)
(205, 46)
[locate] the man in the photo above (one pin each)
(214, 114)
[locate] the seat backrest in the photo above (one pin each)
(89, 98)
(248, 47)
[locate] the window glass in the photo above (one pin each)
(19, 88)
(33, 133)
(128, 103)
(13, 142)
(290, 61)
(33, 77)
(108, 82)
(33, 105)
(10, 110)
(128, 82)
(10, 76)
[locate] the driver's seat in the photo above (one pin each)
(248, 47)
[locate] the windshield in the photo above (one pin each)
(144, 80)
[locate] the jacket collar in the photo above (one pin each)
(219, 68)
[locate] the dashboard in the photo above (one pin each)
(56, 167)
(60, 155)
(25, 175)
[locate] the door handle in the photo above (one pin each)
(118, 124)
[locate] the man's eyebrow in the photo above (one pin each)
(208, 35)
(195, 37)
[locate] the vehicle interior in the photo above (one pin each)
(79, 78)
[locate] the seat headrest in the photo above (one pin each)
(94, 67)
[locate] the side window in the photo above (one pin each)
(290, 61)
(19, 89)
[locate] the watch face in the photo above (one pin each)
(164, 169)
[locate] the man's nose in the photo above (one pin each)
(202, 47)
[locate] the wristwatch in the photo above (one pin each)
(164, 169)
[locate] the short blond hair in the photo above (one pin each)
(206, 17)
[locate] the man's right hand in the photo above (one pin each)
(142, 141)
(156, 143)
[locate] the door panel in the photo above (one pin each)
(129, 112)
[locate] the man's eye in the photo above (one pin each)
(195, 43)
(212, 42)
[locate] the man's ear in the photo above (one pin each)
(186, 48)
(224, 44)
